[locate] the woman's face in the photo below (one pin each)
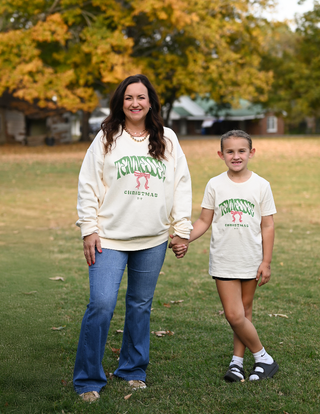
(136, 103)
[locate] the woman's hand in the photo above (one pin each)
(90, 244)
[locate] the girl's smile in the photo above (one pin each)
(236, 154)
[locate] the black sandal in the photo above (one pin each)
(269, 370)
(231, 376)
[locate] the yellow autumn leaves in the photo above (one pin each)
(70, 49)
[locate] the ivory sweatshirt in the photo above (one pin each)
(131, 199)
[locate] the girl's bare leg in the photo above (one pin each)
(237, 298)
(248, 288)
(234, 304)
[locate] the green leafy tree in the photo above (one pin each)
(307, 87)
(293, 56)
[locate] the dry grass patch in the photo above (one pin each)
(276, 148)
(60, 153)
(196, 148)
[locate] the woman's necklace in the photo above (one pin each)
(138, 134)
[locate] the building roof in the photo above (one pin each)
(244, 109)
(180, 110)
(185, 107)
(207, 109)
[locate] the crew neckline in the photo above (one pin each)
(244, 182)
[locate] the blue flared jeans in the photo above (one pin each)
(105, 277)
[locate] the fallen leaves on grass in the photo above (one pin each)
(119, 331)
(221, 312)
(162, 333)
(115, 350)
(57, 278)
(30, 293)
(127, 396)
(64, 383)
(281, 315)
(174, 302)
(59, 328)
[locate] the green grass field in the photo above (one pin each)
(39, 241)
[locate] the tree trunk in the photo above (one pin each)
(167, 117)
(85, 126)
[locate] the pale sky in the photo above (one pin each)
(288, 8)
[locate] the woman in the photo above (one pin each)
(134, 183)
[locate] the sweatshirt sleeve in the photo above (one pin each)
(91, 189)
(182, 200)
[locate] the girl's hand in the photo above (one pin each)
(90, 243)
(180, 250)
(264, 272)
(179, 246)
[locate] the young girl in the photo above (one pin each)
(240, 206)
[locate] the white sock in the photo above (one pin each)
(261, 356)
(237, 361)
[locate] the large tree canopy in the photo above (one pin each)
(59, 52)
(294, 58)
(204, 47)
(62, 50)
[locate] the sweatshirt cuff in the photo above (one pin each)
(87, 228)
(183, 229)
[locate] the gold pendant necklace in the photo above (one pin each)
(138, 140)
(138, 133)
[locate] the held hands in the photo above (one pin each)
(179, 246)
(265, 272)
(90, 243)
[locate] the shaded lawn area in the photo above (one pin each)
(39, 241)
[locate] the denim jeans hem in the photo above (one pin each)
(87, 389)
(130, 377)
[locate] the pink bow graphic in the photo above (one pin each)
(233, 213)
(139, 175)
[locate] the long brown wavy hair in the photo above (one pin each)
(154, 124)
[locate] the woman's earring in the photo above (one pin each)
(150, 108)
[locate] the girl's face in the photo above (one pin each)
(236, 154)
(136, 103)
